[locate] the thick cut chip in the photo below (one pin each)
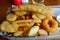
(23, 24)
(35, 17)
(40, 16)
(33, 31)
(26, 21)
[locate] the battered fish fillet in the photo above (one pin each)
(34, 8)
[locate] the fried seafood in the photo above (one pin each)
(49, 25)
(55, 33)
(30, 20)
(11, 17)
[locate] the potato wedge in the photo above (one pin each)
(33, 31)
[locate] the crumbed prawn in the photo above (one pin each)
(49, 25)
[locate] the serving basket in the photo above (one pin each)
(53, 37)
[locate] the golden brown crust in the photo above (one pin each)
(50, 25)
(28, 20)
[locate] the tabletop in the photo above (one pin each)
(4, 4)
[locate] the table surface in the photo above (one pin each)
(4, 4)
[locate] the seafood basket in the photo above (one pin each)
(57, 12)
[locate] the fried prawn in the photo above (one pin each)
(49, 25)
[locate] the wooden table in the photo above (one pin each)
(51, 2)
(4, 4)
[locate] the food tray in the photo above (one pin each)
(57, 37)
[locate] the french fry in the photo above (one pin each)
(29, 20)
(19, 33)
(35, 17)
(39, 16)
(31, 24)
(23, 24)
(21, 21)
(26, 24)
(38, 24)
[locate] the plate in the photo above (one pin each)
(57, 12)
